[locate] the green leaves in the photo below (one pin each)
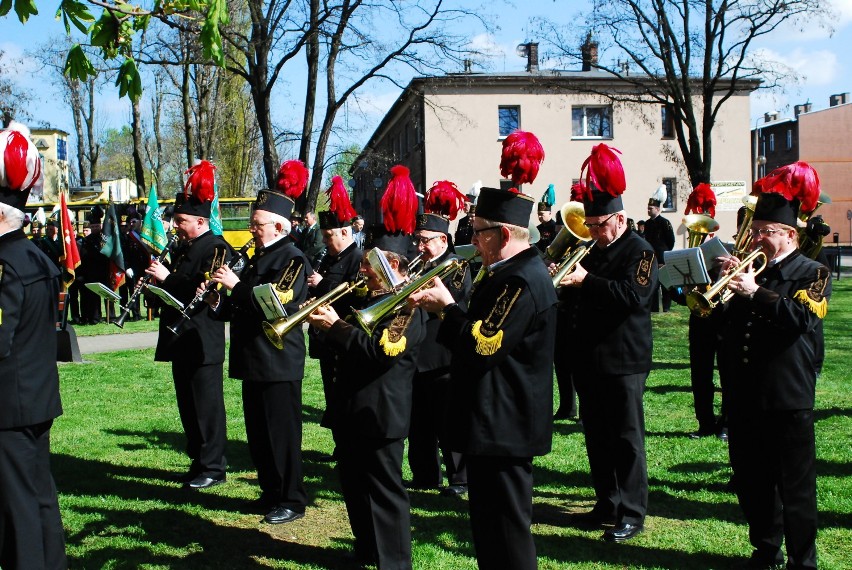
(74, 12)
(128, 81)
(77, 65)
(211, 39)
(23, 8)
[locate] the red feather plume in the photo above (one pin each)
(338, 200)
(399, 204)
(702, 200)
(201, 181)
(292, 178)
(605, 171)
(521, 158)
(804, 181)
(580, 191)
(21, 165)
(445, 199)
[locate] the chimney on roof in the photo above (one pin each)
(532, 56)
(468, 66)
(590, 53)
(801, 108)
(839, 99)
(770, 116)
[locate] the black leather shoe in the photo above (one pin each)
(723, 435)
(454, 490)
(201, 482)
(591, 520)
(622, 532)
(280, 515)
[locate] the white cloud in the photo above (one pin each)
(843, 9)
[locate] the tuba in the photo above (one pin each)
(810, 245)
(698, 227)
(573, 231)
(702, 304)
(276, 330)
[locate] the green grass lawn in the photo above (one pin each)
(120, 441)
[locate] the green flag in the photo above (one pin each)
(111, 248)
(215, 215)
(153, 232)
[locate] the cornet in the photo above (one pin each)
(570, 262)
(702, 304)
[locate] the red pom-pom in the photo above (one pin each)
(580, 191)
(201, 181)
(605, 171)
(292, 178)
(399, 204)
(521, 158)
(702, 200)
(21, 167)
(338, 200)
(445, 199)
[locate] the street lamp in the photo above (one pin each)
(760, 160)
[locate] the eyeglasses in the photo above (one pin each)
(423, 240)
(258, 225)
(591, 225)
(764, 232)
(480, 230)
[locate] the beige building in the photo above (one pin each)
(52, 145)
(452, 127)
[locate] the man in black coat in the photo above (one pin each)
(606, 299)
(547, 228)
(197, 352)
(311, 241)
(660, 234)
(770, 336)
(502, 372)
(432, 389)
(369, 414)
(272, 378)
(31, 534)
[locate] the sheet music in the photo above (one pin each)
(269, 302)
(166, 297)
(103, 291)
(711, 249)
(379, 263)
(684, 267)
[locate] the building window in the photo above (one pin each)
(772, 142)
(61, 150)
(591, 122)
(789, 139)
(670, 205)
(668, 121)
(509, 119)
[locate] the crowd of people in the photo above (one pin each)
(415, 344)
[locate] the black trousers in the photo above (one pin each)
(201, 404)
(500, 501)
(563, 365)
(774, 460)
(379, 511)
(614, 425)
(273, 416)
(31, 533)
(702, 362)
(666, 296)
(430, 403)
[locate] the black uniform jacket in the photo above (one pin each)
(335, 269)
(29, 291)
(502, 362)
(547, 231)
(769, 343)
(659, 233)
(374, 375)
(252, 356)
(434, 356)
(609, 315)
(202, 339)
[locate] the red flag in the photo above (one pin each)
(71, 255)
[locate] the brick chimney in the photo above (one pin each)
(532, 56)
(801, 108)
(590, 53)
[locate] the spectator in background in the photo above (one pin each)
(312, 243)
(660, 234)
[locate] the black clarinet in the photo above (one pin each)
(142, 283)
(191, 308)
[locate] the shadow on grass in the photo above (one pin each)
(825, 413)
(667, 388)
(670, 366)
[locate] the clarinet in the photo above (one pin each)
(142, 283)
(191, 308)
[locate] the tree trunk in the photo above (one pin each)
(77, 114)
(94, 147)
(138, 166)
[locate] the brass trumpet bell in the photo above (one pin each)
(699, 226)
(572, 233)
(702, 304)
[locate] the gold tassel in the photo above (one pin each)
(285, 296)
(486, 346)
(391, 348)
(820, 308)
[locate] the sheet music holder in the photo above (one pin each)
(166, 297)
(684, 267)
(103, 291)
(379, 263)
(269, 302)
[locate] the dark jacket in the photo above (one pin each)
(252, 356)
(29, 292)
(202, 339)
(464, 231)
(311, 241)
(335, 269)
(374, 375)
(769, 344)
(659, 233)
(609, 316)
(547, 231)
(502, 362)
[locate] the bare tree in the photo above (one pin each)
(690, 56)
(13, 99)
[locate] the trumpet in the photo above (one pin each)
(702, 304)
(414, 263)
(142, 283)
(190, 309)
(569, 263)
(276, 330)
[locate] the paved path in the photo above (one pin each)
(121, 341)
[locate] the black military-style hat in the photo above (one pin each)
(601, 203)
(433, 223)
(274, 202)
(543, 207)
(192, 206)
(505, 206)
(397, 242)
(773, 207)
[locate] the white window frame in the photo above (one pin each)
(585, 135)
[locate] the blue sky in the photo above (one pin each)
(818, 57)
